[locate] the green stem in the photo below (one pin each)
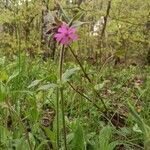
(19, 46)
(85, 74)
(87, 77)
(61, 60)
(57, 113)
(63, 117)
(88, 99)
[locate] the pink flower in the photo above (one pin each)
(66, 34)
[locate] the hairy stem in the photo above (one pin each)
(61, 60)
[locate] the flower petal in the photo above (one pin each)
(74, 37)
(63, 29)
(58, 37)
(66, 35)
(64, 40)
(71, 30)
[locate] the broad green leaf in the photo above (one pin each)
(78, 140)
(104, 136)
(78, 23)
(47, 87)
(69, 73)
(34, 83)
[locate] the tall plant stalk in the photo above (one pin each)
(57, 115)
(61, 60)
(19, 47)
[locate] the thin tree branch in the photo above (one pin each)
(106, 18)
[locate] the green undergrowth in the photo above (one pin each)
(28, 92)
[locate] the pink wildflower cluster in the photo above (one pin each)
(66, 35)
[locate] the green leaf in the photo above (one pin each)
(112, 145)
(51, 135)
(42, 145)
(90, 146)
(104, 137)
(65, 16)
(14, 75)
(47, 87)
(3, 92)
(3, 76)
(136, 129)
(99, 86)
(4, 134)
(69, 73)
(21, 144)
(78, 23)
(33, 113)
(138, 119)
(76, 17)
(78, 140)
(142, 125)
(34, 83)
